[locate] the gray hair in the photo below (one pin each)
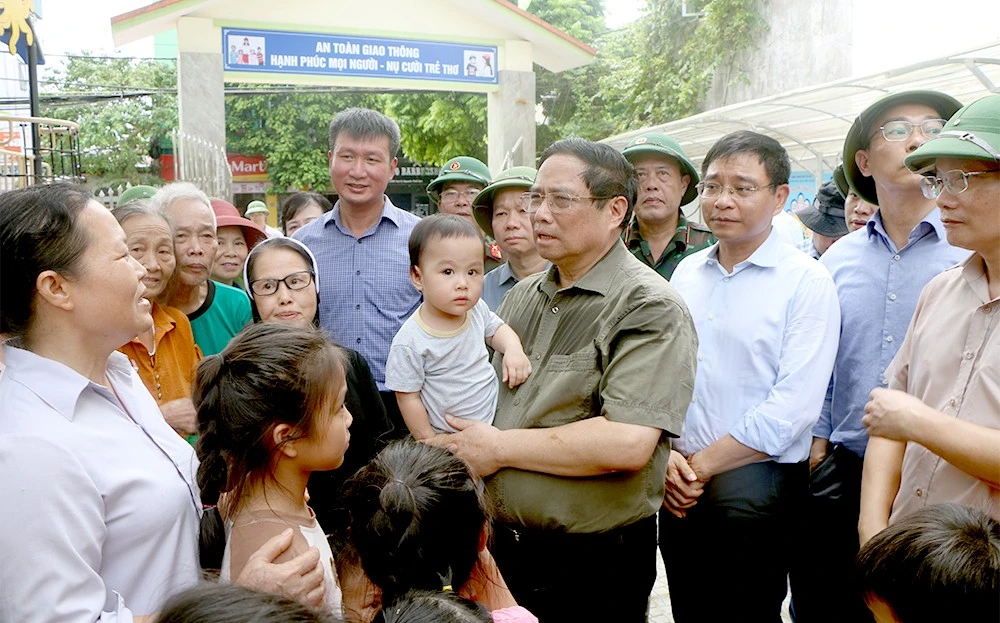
(180, 191)
(367, 124)
(138, 207)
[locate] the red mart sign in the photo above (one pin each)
(244, 168)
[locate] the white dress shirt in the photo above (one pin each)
(100, 504)
(767, 339)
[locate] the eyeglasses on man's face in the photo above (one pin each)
(955, 182)
(901, 129)
(295, 281)
(558, 202)
(712, 190)
(451, 195)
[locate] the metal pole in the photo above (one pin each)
(33, 100)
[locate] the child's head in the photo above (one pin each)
(433, 607)
(941, 563)
(447, 262)
(275, 393)
(418, 519)
(227, 603)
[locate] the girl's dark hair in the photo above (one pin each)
(941, 563)
(296, 201)
(212, 602)
(269, 374)
(279, 243)
(416, 515)
(39, 231)
(439, 226)
(432, 607)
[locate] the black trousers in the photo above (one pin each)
(728, 559)
(603, 577)
(824, 581)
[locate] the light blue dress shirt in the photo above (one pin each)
(365, 288)
(767, 338)
(100, 509)
(496, 283)
(878, 286)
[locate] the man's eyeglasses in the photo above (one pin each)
(900, 130)
(558, 202)
(452, 195)
(955, 181)
(711, 190)
(295, 281)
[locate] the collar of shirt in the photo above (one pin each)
(974, 273)
(36, 373)
(931, 222)
(505, 274)
(163, 323)
(768, 254)
(679, 241)
(598, 279)
(388, 212)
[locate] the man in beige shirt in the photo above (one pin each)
(935, 433)
(577, 457)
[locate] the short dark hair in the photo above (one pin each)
(268, 374)
(416, 515)
(213, 602)
(607, 174)
(941, 563)
(39, 231)
(366, 124)
(296, 201)
(439, 226)
(769, 153)
(432, 607)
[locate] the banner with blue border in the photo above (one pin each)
(269, 51)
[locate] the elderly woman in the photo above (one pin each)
(100, 511)
(283, 285)
(166, 355)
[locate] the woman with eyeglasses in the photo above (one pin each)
(283, 283)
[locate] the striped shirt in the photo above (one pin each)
(365, 292)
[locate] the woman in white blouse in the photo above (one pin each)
(100, 512)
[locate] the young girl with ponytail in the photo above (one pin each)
(270, 412)
(419, 520)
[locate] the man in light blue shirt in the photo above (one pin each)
(361, 245)
(767, 321)
(879, 271)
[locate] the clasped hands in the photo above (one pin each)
(683, 485)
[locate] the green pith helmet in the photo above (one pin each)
(460, 169)
(482, 205)
(838, 178)
(659, 143)
(863, 128)
(135, 192)
(973, 133)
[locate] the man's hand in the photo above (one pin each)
(181, 415)
(818, 451)
(892, 414)
(681, 486)
(516, 367)
(476, 442)
(301, 578)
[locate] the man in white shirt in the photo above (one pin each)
(767, 321)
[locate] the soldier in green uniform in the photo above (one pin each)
(659, 235)
(458, 183)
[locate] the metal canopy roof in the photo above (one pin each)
(812, 122)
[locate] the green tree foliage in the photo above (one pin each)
(115, 133)
(675, 57)
(290, 130)
(436, 127)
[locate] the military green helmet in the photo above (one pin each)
(482, 205)
(460, 169)
(661, 144)
(135, 192)
(972, 133)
